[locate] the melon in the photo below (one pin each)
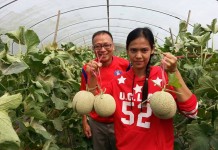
(82, 102)
(163, 105)
(104, 105)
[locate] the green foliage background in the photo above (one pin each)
(48, 77)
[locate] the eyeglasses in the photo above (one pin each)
(99, 46)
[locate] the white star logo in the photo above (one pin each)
(137, 88)
(121, 80)
(157, 81)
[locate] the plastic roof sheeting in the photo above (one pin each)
(80, 19)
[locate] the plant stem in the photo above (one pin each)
(2, 86)
(172, 91)
(20, 89)
(201, 55)
(182, 122)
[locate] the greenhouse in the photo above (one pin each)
(44, 45)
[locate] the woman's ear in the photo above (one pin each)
(153, 49)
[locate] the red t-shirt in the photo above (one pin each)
(116, 68)
(137, 129)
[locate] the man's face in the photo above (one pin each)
(103, 47)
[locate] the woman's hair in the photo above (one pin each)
(147, 34)
(140, 32)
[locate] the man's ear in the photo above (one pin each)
(113, 47)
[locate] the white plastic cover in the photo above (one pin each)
(79, 19)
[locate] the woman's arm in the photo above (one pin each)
(169, 62)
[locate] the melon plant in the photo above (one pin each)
(104, 105)
(163, 105)
(8, 102)
(82, 102)
(8, 136)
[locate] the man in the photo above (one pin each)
(102, 129)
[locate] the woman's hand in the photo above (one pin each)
(169, 62)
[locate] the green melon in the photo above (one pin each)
(104, 105)
(163, 105)
(83, 102)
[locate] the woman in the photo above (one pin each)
(136, 127)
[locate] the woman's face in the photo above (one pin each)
(139, 52)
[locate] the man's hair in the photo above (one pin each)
(101, 32)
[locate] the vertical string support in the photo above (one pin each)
(189, 14)
(108, 16)
(171, 35)
(57, 25)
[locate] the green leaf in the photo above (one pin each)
(195, 44)
(57, 122)
(200, 143)
(8, 136)
(182, 26)
(207, 85)
(38, 97)
(31, 40)
(216, 125)
(3, 53)
(37, 83)
(48, 58)
(75, 85)
(41, 130)
(10, 101)
(15, 68)
(36, 113)
(199, 136)
(40, 91)
(173, 80)
(17, 36)
(214, 141)
(201, 39)
(59, 104)
(62, 64)
(197, 30)
(214, 27)
(12, 59)
(50, 146)
(46, 87)
(62, 55)
(205, 38)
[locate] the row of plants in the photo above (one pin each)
(36, 85)
(198, 61)
(46, 79)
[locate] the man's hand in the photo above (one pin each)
(92, 67)
(86, 127)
